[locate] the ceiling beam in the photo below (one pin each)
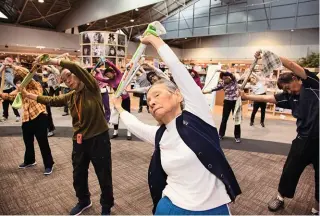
(89, 11)
(24, 6)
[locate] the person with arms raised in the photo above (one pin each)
(188, 173)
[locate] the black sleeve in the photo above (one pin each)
(282, 100)
(312, 80)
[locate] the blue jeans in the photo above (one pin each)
(166, 207)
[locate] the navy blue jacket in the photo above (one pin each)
(203, 140)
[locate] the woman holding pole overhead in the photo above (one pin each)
(91, 141)
(113, 79)
(188, 173)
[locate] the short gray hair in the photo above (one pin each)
(171, 87)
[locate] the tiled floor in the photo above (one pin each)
(256, 163)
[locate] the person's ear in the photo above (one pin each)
(179, 95)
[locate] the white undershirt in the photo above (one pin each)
(189, 184)
(258, 88)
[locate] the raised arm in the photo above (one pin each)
(143, 131)
(98, 76)
(110, 63)
(54, 70)
(294, 67)
(195, 102)
(80, 72)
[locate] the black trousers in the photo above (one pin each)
(37, 128)
(50, 125)
(228, 106)
(142, 102)
(5, 105)
(304, 151)
(126, 106)
(53, 91)
(256, 106)
(98, 151)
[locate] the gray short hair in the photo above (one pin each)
(171, 87)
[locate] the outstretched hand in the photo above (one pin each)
(257, 55)
(242, 94)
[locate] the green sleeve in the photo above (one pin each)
(56, 101)
(82, 74)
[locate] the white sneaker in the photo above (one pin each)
(17, 119)
(50, 133)
(2, 119)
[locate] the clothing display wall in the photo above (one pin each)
(96, 44)
(211, 82)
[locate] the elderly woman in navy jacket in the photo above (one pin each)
(188, 173)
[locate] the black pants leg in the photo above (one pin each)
(40, 125)
(5, 104)
(141, 101)
(15, 111)
(256, 106)
(80, 163)
(50, 124)
(28, 133)
(302, 151)
(263, 107)
(100, 155)
(126, 105)
(228, 106)
(65, 91)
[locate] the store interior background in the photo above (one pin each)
(200, 32)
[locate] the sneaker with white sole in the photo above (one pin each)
(50, 133)
(275, 204)
(80, 207)
(17, 119)
(23, 165)
(238, 140)
(2, 119)
(48, 171)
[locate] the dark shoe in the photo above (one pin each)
(23, 165)
(129, 137)
(238, 140)
(65, 114)
(251, 123)
(114, 136)
(275, 205)
(105, 211)
(80, 207)
(140, 110)
(48, 171)
(262, 124)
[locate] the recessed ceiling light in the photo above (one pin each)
(106, 21)
(88, 23)
(186, 38)
(41, 1)
(292, 30)
(3, 16)
(132, 20)
(137, 9)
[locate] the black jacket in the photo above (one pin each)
(203, 140)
